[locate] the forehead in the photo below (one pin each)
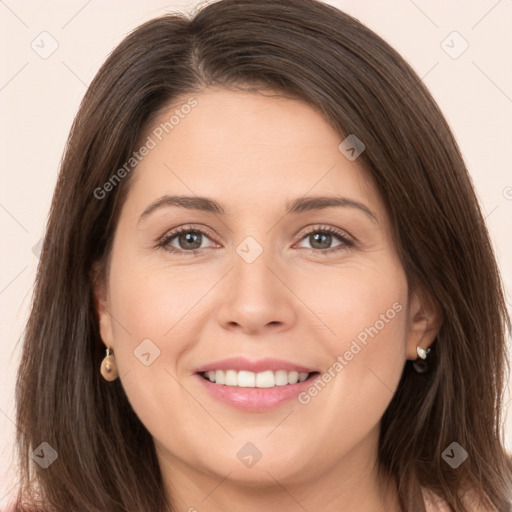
(246, 147)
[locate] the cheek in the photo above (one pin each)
(152, 301)
(371, 322)
(363, 311)
(359, 302)
(155, 320)
(151, 310)
(367, 356)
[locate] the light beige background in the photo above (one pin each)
(39, 98)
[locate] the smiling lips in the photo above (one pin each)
(254, 385)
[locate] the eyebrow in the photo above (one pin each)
(303, 204)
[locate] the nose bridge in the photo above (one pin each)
(252, 264)
(254, 296)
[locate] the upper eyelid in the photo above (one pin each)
(320, 228)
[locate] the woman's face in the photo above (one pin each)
(261, 271)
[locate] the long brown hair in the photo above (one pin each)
(314, 52)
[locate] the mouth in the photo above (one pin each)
(263, 380)
(254, 385)
(254, 392)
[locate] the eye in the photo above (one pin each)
(188, 240)
(321, 238)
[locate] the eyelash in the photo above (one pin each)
(164, 241)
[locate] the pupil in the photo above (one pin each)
(319, 237)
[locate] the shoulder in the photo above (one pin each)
(434, 503)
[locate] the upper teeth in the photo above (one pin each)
(246, 379)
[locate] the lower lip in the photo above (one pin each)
(255, 399)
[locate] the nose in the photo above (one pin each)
(257, 297)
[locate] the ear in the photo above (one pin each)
(100, 294)
(424, 321)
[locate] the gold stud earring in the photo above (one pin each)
(108, 367)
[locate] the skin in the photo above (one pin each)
(253, 152)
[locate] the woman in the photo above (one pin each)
(188, 350)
